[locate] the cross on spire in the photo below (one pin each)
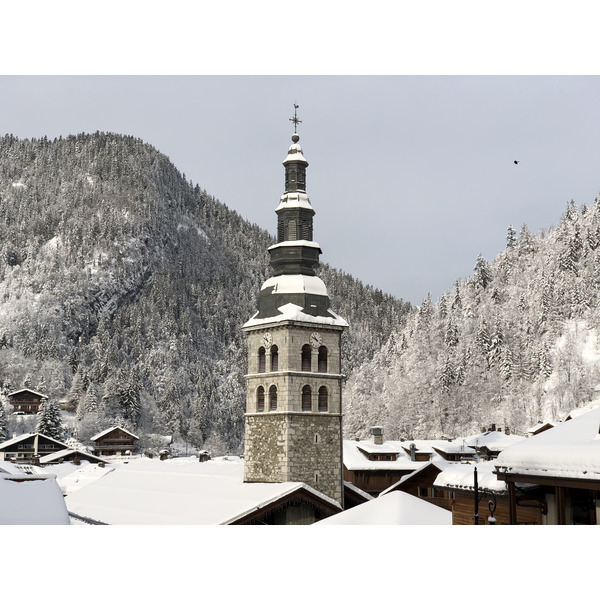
(295, 120)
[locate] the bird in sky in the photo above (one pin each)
(516, 162)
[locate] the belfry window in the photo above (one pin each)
(292, 233)
(306, 357)
(272, 398)
(262, 362)
(306, 398)
(323, 399)
(322, 359)
(260, 399)
(274, 358)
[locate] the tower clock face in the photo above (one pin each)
(315, 340)
(267, 339)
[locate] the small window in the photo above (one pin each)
(260, 399)
(323, 399)
(306, 398)
(306, 357)
(272, 398)
(423, 492)
(323, 359)
(262, 363)
(274, 358)
(292, 233)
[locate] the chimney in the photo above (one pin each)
(412, 452)
(507, 430)
(493, 427)
(377, 435)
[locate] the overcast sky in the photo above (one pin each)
(411, 172)
(411, 177)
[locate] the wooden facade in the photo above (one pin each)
(115, 441)
(26, 401)
(528, 510)
(420, 484)
(374, 481)
(565, 501)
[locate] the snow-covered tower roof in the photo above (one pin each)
(294, 292)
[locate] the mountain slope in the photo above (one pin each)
(123, 288)
(515, 343)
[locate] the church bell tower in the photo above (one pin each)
(294, 384)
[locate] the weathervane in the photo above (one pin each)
(295, 120)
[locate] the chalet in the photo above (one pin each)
(564, 465)
(539, 428)
(70, 455)
(454, 451)
(373, 466)
(420, 483)
(458, 481)
(26, 401)
(114, 441)
(29, 447)
(488, 444)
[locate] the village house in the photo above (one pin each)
(563, 463)
(26, 401)
(458, 482)
(114, 441)
(29, 447)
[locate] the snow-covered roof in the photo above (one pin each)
(293, 243)
(31, 500)
(355, 460)
(293, 312)
(440, 465)
(452, 447)
(175, 492)
(56, 456)
(26, 436)
(395, 508)
(570, 449)
(462, 476)
(102, 433)
(294, 200)
(295, 284)
(26, 390)
(493, 440)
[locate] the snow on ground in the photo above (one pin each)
(394, 508)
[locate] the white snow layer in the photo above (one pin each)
(394, 508)
(172, 492)
(571, 450)
(31, 500)
(293, 312)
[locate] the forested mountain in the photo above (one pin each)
(515, 343)
(123, 287)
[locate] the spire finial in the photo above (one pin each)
(295, 120)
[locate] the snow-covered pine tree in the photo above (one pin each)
(49, 421)
(3, 423)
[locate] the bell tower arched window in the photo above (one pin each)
(262, 360)
(306, 357)
(306, 398)
(260, 399)
(272, 398)
(274, 358)
(323, 359)
(323, 399)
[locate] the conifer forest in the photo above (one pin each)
(123, 288)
